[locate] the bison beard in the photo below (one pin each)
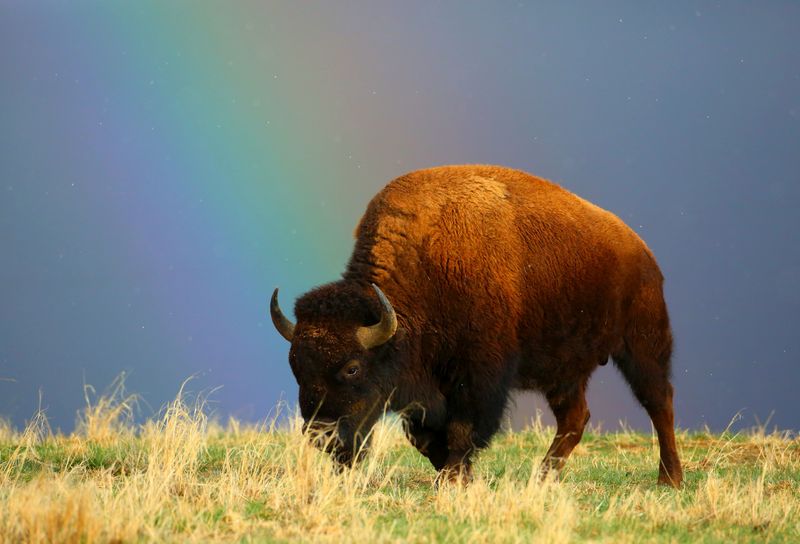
(489, 279)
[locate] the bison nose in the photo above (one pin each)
(322, 434)
(312, 427)
(317, 426)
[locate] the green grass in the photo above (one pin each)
(738, 488)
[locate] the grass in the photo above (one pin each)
(180, 478)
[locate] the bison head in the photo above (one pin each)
(341, 358)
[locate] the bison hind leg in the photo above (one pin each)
(645, 364)
(572, 414)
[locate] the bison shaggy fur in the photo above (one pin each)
(494, 280)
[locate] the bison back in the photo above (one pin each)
(486, 251)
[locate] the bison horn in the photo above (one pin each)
(375, 335)
(284, 326)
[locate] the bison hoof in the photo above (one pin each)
(549, 474)
(670, 481)
(459, 476)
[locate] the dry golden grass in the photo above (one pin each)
(182, 478)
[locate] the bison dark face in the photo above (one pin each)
(342, 367)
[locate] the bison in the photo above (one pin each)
(467, 282)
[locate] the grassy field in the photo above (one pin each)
(181, 478)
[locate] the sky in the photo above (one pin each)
(163, 166)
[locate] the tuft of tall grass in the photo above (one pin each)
(181, 477)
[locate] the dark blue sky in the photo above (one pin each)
(162, 168)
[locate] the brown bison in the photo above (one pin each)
(467, 282)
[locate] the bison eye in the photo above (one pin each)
(352, 369)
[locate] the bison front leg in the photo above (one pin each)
(447, 449)
(460, 445)
(466, 435)
(429, 442)
(475, 408)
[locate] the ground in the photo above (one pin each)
(182, 478)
